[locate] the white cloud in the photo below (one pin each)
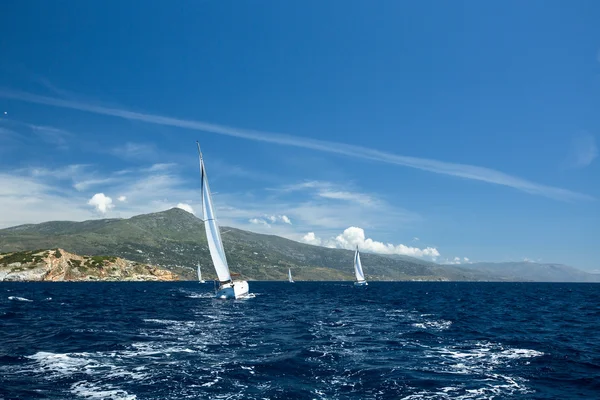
(32, 201)
(311, 238)
(86, 184)
(148, 191)
(278, 218)
(348, 196)
(267, 220)
(40, 194)
(329, 190)
(65, 172)
(354, 236)
(101, 202)
(186, 207)
(416, 239)
(454, 261)
(51, 135)
(583, 151)
(258, 221)
(134, 150)
(458, 261)
(357, 152)
(160, 167)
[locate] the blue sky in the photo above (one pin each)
(442, 130)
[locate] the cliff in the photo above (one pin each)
(59, 265)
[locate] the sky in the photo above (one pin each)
(457, 131)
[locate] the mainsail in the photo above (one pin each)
(360, 276)
(199, 273)
(213, 236)
(290, 275)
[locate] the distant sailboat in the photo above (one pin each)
(200, 275)
(290, 276)
(360, 276)
(228, 288)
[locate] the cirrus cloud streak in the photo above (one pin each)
(440, 167)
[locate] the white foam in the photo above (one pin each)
(200, 296)
(251, 369)
(91, 364)
(213, 382)
(17, 298)
(91, 390)
(479, 360)
(64, 364)
(439, 325)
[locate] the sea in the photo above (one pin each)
(303, 340)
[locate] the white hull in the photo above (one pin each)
(361, 283)
(233, 290)
(202, 281)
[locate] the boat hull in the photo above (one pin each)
(361, 283)
(233, 290)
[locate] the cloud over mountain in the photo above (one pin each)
(355, 236)
(101, 203)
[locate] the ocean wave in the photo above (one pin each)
(154, 341)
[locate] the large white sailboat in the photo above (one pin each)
(360, 276)
(228, 288)
(290, 275)
(200, 275)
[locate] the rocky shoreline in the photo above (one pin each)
(58, 265)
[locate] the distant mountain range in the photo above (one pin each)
(175, 239)
(530, 271)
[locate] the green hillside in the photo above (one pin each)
(175, 239)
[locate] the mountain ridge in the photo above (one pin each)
(175, 239)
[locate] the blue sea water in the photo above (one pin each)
(307, 340)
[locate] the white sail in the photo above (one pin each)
(199, 273)
(213, 236)
(360, 276)
(290, 275)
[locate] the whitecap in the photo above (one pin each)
(90, 390)
(439, 325)
(17, 298)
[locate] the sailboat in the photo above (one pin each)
(228, 288)
(290, 276)
(200, 275)
(360, 276)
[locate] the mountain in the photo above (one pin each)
(175, 239)
(60, 265)
(537, 272)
